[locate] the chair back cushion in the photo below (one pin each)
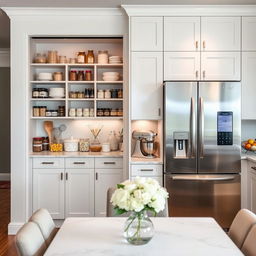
(240, 226)
(45, 222)
(249, 246)
(29, 240)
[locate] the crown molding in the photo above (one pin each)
(190, 10)
(4, 57)
(31, 11)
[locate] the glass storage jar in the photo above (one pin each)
(35, 93)
(81, 57)
(36, 111)
(84, 145)
(72, 75)
(45, 143)
(80, 75)
(58, 76)
(90, 57)
(37, 144)
(42, 111)
(88, 75)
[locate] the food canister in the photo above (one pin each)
(84, 145)
(71, 145)
(106, 147)
(79, 112)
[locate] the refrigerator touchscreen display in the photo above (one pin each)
(225, 128)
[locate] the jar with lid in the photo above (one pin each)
(84, 145)
(48, 113)
(86, 93)
(43, 93)
(54, 113)
(106, 147)
(72, 112)
(61, 111)
(80, 76)
(102, 57)
(79, 112)
(62, 59)
(80, 95)
(90, 57)
(91, 93)
(42, 111)
(100, 112)
(100, 94)
(91, 112)
(113, 112)
(72, 60)
(37, 144)
(72, 95)
(72, 75)
(86, 112)
(36, 111)
(81, 57)
(113, 141)
(120, 112)
(45, 143)
(88, 75)
(107, 94)
(114, 93)
(52, 57)
(58, 76)
(120, 93)
(106, 112)
(40, 58)
(35, 93)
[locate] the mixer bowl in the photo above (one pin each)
(148, 148)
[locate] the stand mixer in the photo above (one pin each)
(145, 144)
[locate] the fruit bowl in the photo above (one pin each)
(249, 145)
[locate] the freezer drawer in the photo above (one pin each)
(216, 196)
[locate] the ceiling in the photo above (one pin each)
(5, 24)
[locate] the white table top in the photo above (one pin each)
(173, 237)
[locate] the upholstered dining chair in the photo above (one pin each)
(111, 211)
(30, 241)
(241, 226)
(249, 245)
(45, 223)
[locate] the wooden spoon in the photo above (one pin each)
(48, 126)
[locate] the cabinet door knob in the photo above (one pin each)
(204, 44)
(204, 74)
(196, 44)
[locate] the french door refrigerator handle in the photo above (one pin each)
(203, 178)
(191, 128)
(201, 127)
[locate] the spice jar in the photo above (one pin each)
(86, 112)
(58, 76)
(100, 112)
(40, 58)
(88, 75)
(35, 93)
(54, 113)
(80, 95)
(90, 57)
(37, 144)
(107, 94)
(106, 112)
(36, 111)
(91, 112)
(72, 60)
(103, 57)
(72, 75)
(120, 112)
(120, 93)
(114, 93)
(113, 112)
(91, 93)
(42, 111)
(43, 93)
(48, 113)
(61, 111)
(100, 94)
(86, 93)
(72, 95)
(45, 143)
(62, 59)
(80, 76)
(72, 112)
(81, 57)
(79, 112)
(52, 57)
(84, 145)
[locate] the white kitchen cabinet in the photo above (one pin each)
(248, 33)
(182, 34)
(251, 186)
(181, 66)
(146, 85)
(105, 179)
(248, 85)
(48, 191)
(79, 192)
(146, 33)
(220, 33)
(220, 66)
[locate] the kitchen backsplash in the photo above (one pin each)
(248, 129)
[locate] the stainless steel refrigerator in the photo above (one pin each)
(202, 130)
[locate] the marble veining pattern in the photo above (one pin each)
(173, 237)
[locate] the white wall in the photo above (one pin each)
(248, 129)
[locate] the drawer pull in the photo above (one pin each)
(254, 168)
(109, 162)
(47, 162)
(66, 176)
(146, 170)
(61, 176)
(78, 162)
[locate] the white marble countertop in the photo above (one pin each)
(136, 160)
(248, 156)
(76, 154)
(173, 237)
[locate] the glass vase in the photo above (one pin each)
(138, 228)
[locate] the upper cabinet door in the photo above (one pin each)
(220, 66)
(220, 33)
(182, 33)
(146, 85)
(249, 34)
(147, 33)
(181, 66)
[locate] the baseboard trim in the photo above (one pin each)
(5, 176)
(14, 227)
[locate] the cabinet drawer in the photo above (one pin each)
(252, 166)
(146, 170)
(79, 163)
(107, 162)
(48, 162)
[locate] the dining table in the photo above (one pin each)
(174, 236)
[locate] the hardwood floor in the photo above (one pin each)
(7, 246)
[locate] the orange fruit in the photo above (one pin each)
(248, 146)
(254, 144)
(251, 141)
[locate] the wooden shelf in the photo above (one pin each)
(47, 82)
(83, 99)
(80, 82)
(109, 82)
(111, 99)
(48, 99)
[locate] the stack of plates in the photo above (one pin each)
(110, 76)
(44, 76)
(115, 60)
(56, 93)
